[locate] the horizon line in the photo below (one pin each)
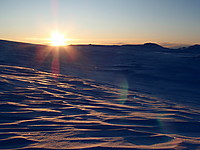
(164, 45)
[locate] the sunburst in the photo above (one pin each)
(58, 39)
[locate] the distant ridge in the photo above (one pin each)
(194, 47)
(17, 42)
(191, 48)
(153, 45)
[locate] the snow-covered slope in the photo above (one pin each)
(105, 97)
(39, 111)
(171, 74)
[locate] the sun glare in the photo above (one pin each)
(58, 39)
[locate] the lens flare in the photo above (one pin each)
(123, 83)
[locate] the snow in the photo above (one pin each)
(105, 97)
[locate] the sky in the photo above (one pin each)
(166, 22)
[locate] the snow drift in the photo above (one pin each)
(104, 97)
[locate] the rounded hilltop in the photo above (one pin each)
(152, 45)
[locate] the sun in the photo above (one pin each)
(58, 39)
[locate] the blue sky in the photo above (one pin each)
(102, 21)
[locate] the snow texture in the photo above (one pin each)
(99, 97)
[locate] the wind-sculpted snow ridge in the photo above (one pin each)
(42, 111)
(170, 74)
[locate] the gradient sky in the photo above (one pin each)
(102, 21)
